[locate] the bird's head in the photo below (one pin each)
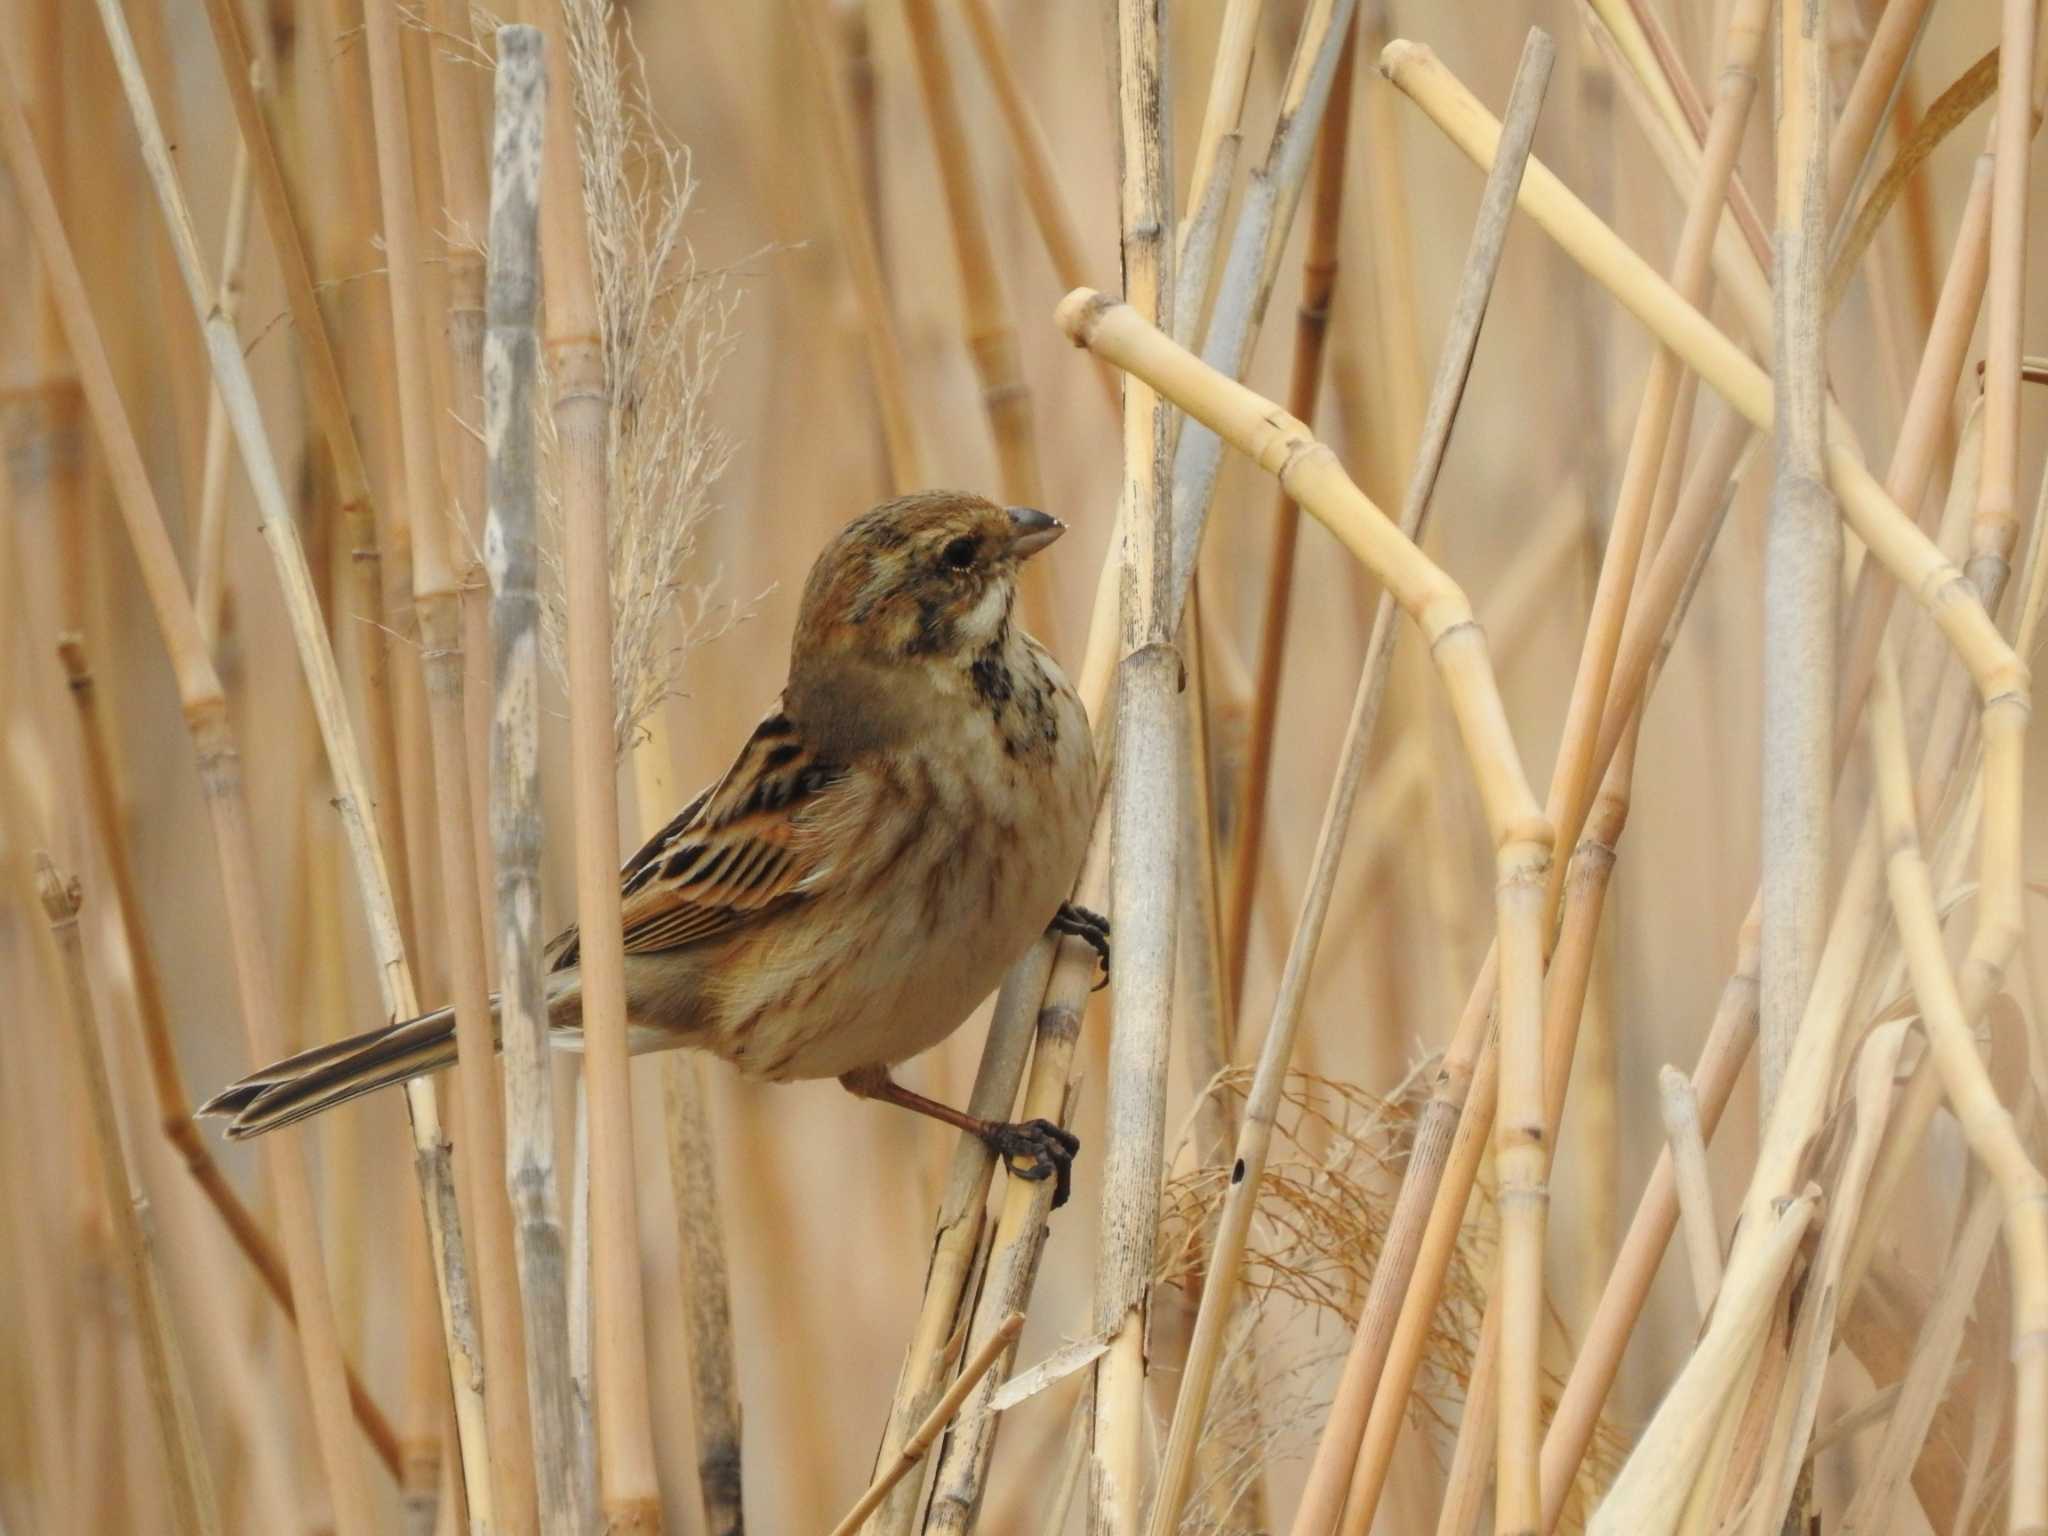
(928, 576)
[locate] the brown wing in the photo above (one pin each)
(741, 848)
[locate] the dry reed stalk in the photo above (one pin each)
(1583, 754)
(1802, 557)
(464, 147)
(857, 239)
(1253, 263)
(208, 586)
(352, 798)
(1680, 1107)
(1312, 475)
(1482, 263)
(1997, 522)
(628, 1493)
(1144, 799)
(985, 1358)
(1304, 386)
(1036, 176)
(187, 1476)
(1870, 94)
(1018, 1242)
(205, 712)
(167, 1084)
(703, 1288)
(1217, 148)
(1950, 1001)
(509, 1502)
(510, 378)
(987, 325)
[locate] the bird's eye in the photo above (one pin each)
(959, 554)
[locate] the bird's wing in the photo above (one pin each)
(756, 840)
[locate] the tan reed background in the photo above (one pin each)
(827, 1202)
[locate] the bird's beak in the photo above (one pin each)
(1032, 530)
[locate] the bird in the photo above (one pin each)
(903, 823)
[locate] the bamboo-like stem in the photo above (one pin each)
(510, 378)
(987, 325)
(208, 587)
(714, 1384)
(205, 712)
(1749, 1295)
(1312, 476)
(511, 1504)
(195, 1508)
(351, 793)
(857, 239)
(1680, 1108)
(984, 1361)
(1304, 386)
(1215, 165)
(1255, 1138)
(1870, 94)
(173, 1104)
(1036, 176)
(1802, 558)
(1997, 522)
(1145, 798)
(627, 1490)
(1253, 262)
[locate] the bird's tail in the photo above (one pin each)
(312, 1081)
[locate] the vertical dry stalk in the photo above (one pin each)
(1313, 477)
(173, 1105)
(1997, 521)
(1035, 171)
(510, 376)
(1802, 557)
(1145, 798)
(1304, 385)
(351, 797)
(205, 712)
(857, 238)
(627, 1490)
(510, 1501)
(985, 310)
(194, 1508)
(1680, 1108)
(1950, 1003)
(1256, 244)
(714, 1381)
(208, 590)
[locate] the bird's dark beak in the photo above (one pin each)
(1032, 530)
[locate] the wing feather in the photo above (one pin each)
(754, 842)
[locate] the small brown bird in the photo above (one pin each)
(890, 838)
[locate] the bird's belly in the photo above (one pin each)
(899, 976)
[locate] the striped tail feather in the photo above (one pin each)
(313, 1081)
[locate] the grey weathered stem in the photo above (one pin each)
(704, 1295)
(194, 1509)
(511, 369)
(1145, 797)
(1256, 245)
(351, 794)
(1482, 263)
(1802, 559)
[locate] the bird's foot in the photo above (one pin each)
(1045, 1150)
(1091, 928)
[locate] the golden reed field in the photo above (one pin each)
(1553, 552)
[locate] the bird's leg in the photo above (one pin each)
(1045, 1150)
(1091, 928)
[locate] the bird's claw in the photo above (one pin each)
(1091, 928)
(1045, 1150)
